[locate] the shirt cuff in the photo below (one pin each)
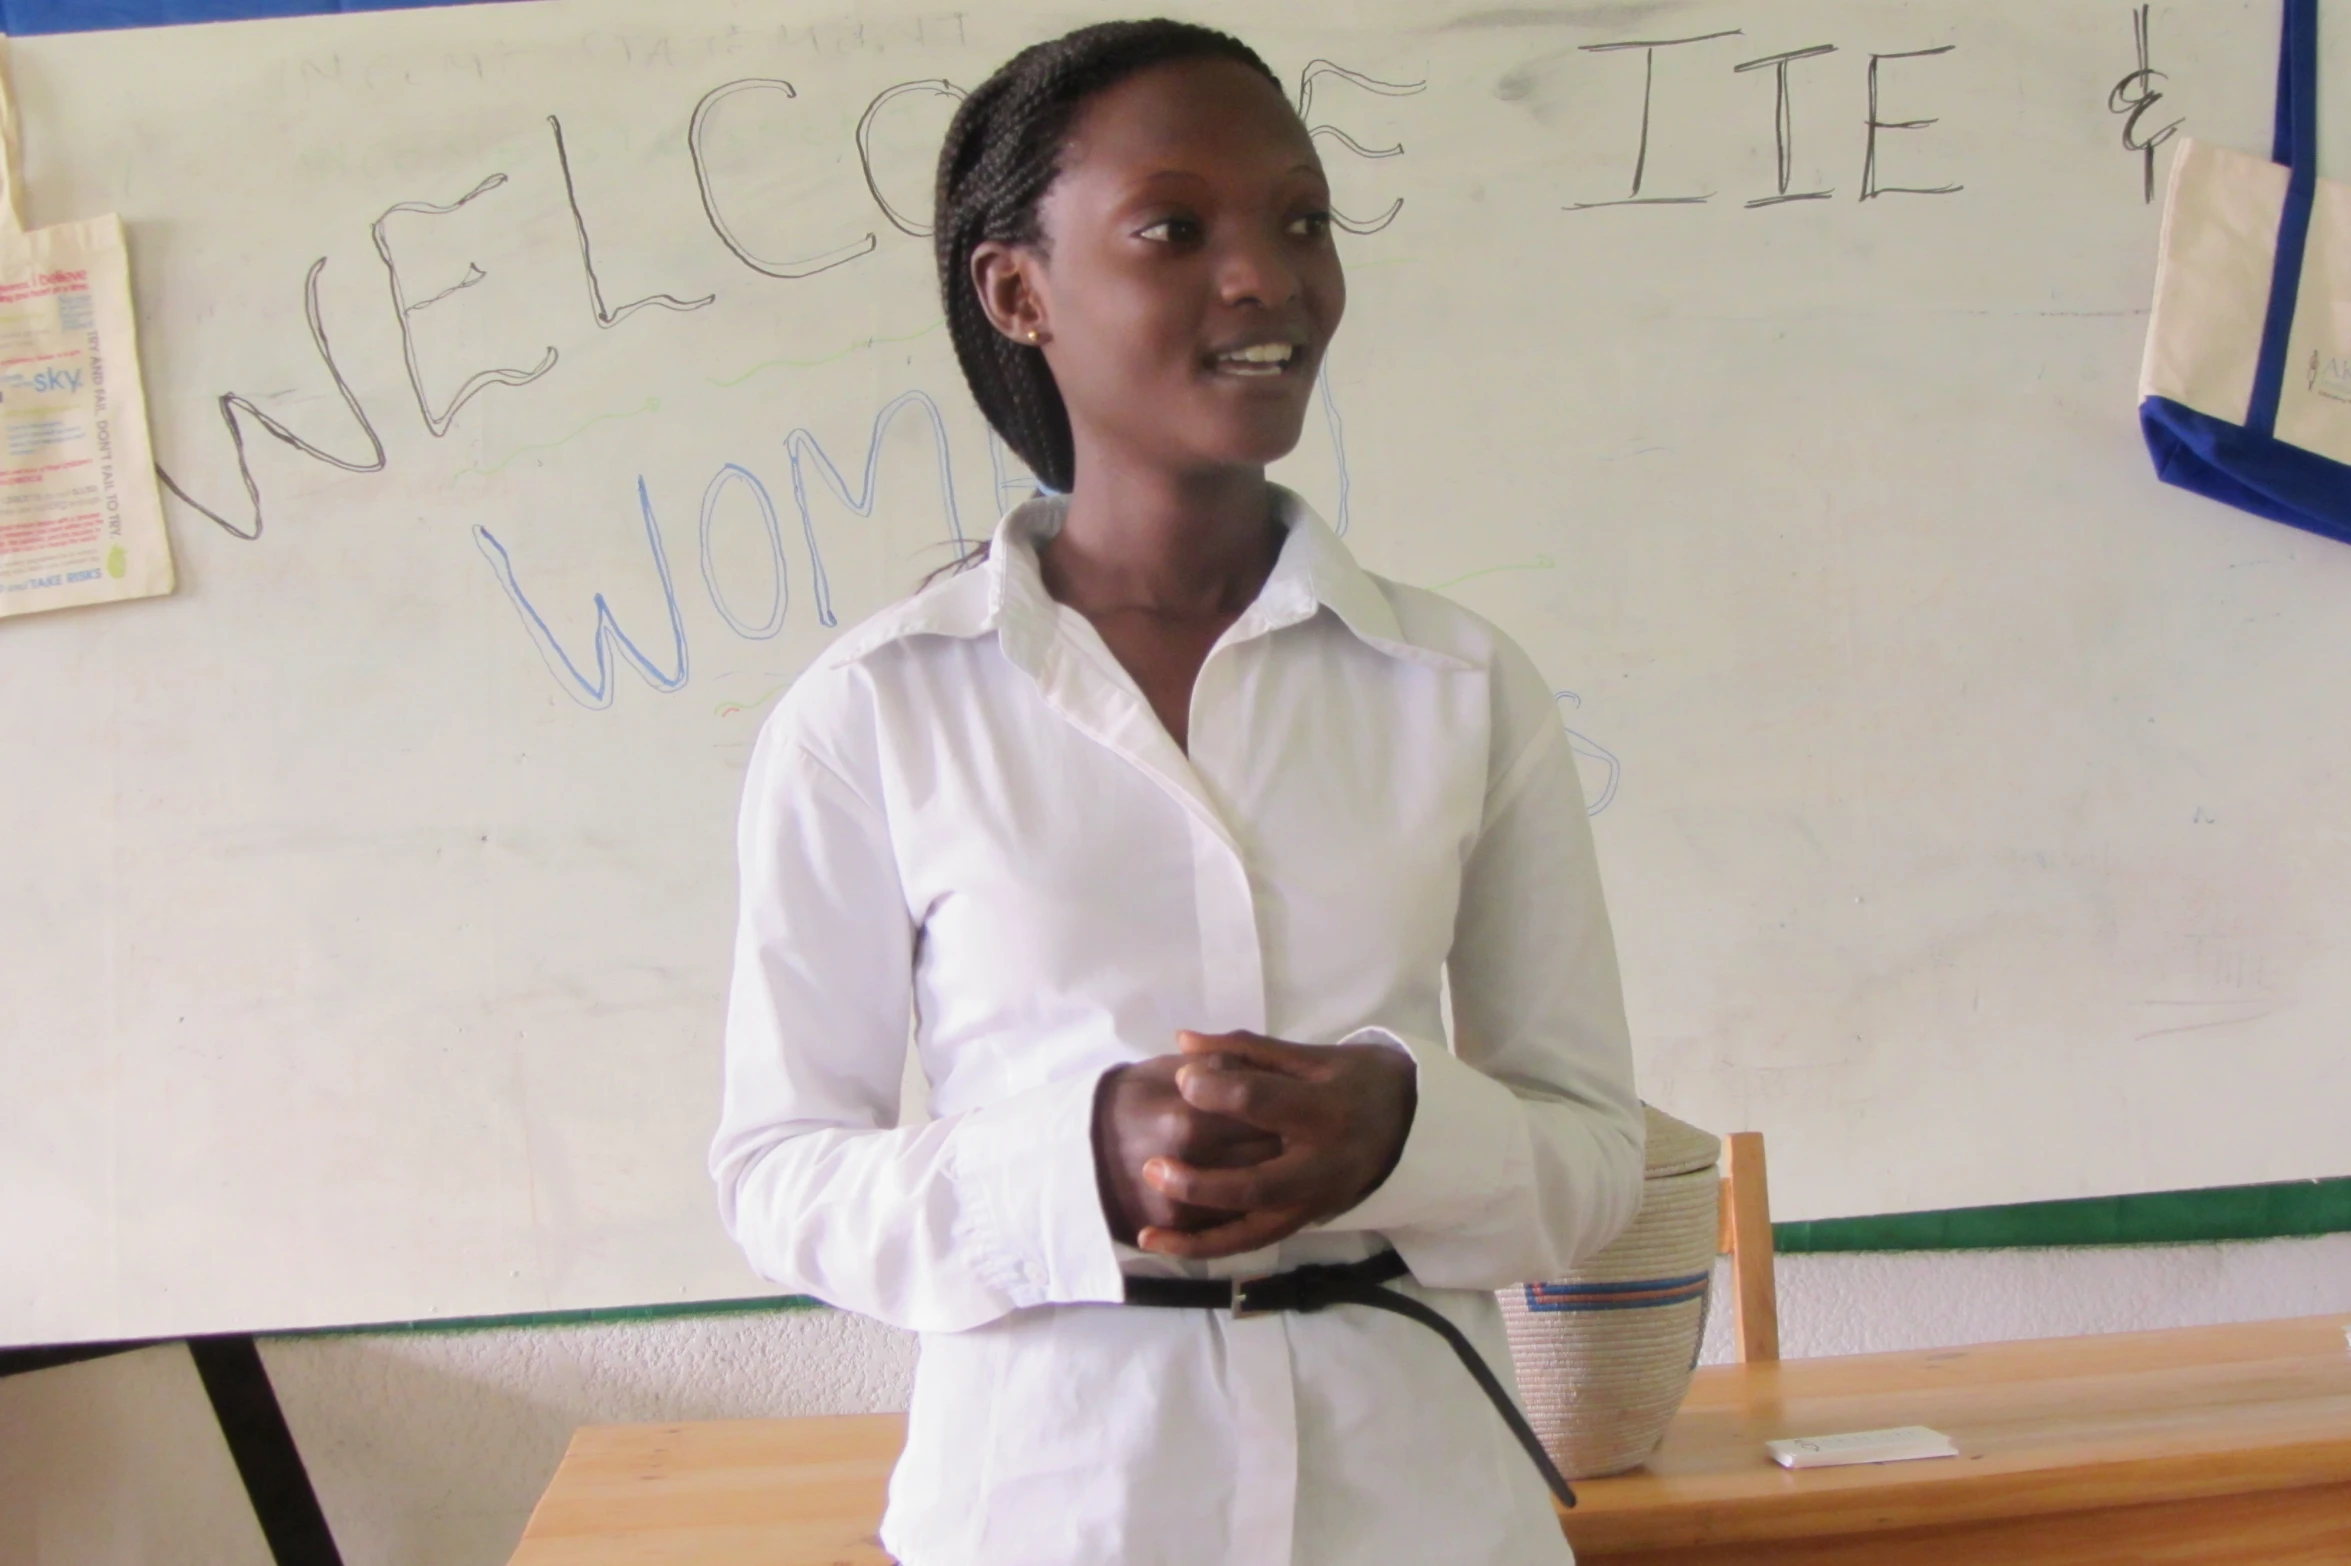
(1467, 1142)
(1026, 1166)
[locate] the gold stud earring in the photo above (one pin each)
(1032, 334)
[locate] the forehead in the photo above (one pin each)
(1189, 116)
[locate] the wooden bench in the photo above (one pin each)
(2211, 1444)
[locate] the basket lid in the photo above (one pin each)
(1676, 1146)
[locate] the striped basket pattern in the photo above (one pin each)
(1604, 1355)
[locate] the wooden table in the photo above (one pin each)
(2210, 1444)
(2213, 1444)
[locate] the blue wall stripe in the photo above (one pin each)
(24, 18)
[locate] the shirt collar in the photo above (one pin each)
(1006, 594)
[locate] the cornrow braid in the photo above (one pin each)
(1002, 153)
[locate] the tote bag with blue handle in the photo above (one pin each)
(2245, 393)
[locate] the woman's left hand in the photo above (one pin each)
(1341, 1110)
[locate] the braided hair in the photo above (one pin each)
(1002, 153)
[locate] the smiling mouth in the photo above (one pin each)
(1259, 360)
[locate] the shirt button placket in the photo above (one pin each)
(1231, 959)
(1232, 966)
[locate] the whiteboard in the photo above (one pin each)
(1970, 805)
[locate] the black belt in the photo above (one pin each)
(1309, 1289)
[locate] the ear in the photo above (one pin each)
(1003, 274)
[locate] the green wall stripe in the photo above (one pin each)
(568, 1318)
(2286, 1210)
(2239, 1212)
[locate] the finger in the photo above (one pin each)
(1219, 1142)
(1291, 1180)
(1253, 1231)
(1295, 1060)
(1265, 1099)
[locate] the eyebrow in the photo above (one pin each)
(1295, 168)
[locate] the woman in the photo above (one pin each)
(1160, 828)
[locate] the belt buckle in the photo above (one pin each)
(1241, 1308)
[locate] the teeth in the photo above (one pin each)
(1259, 353)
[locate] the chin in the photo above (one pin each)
(1259, 441)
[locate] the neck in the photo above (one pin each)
(1165, 543)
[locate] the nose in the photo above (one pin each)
(1256, 267)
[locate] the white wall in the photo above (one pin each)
(428, 1449)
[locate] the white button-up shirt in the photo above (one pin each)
(965, 824)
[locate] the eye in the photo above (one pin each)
(1311, 225)
(1171, 231)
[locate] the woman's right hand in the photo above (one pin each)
(1140, 1114)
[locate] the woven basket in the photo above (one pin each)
(1604, 1355)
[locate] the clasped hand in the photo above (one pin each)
(1239, 1141)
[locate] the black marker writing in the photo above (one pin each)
(898, 219)
(1649, 48)
(472, 275)
(231, 404)
(1870, 188)
(1306, 80)
(2134, 96)
(1784, 122)
(805, 266)
(405, 313)
(579, 225)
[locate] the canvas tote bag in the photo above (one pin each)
(81, 519)
(2245, 392)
